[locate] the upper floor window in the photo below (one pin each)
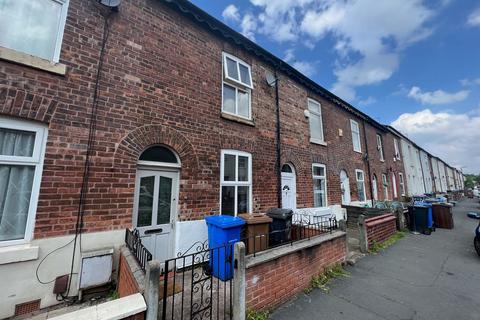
(380, 147)
(235, 182)
(355, 136)
(315, 119)
(397, 150)
(237, 87)
(33, 27)
(319, 185)
(22, 148)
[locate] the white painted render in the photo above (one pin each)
(413, 169)
(426, 171)
(451, 183)
(19, 282)
(436, 176)
(443, 178)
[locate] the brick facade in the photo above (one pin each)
(275, 282)
(127, 284)
(380, 228)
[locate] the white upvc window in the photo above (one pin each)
(357, 146)
(319, 175)
(237, 87)
(385, 186)
(235, 182)
(22, 149)
(33, 27)
(402, 184)
(375, 187)
(360, 185)
(397, 150)
(315, 120)
(380, 147)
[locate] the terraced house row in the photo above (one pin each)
(155, 116)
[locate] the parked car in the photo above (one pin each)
(476, 241)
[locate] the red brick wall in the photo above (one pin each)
(162, 84)
(274, 282)
(127, 284)
(380, 228)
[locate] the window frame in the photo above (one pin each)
(60, 32)
(394, 186)
(402, 183)
(319, 165)
(237, 85)
(396, 149)
(357, 171)
(319, 114)
(380, 147)
(352, 123)
(36, 160)
(236, 183)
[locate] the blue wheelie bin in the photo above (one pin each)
(223, 232)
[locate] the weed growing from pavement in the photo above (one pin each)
(254, 315)
(377, 247)
(321, 281)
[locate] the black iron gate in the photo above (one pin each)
(198, 284)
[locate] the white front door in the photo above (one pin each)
(155, 206)
(345, 187)
(289, 191)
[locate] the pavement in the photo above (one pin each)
(419, 277)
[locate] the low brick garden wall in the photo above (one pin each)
(276, 275)
(380, 228)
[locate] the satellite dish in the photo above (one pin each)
(270, 77)
(110, 3)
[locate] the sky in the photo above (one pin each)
(410, 63)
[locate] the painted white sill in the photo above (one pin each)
(32, 61)
(18, 253)
(319, 142)
(358, 151)
(112, 310)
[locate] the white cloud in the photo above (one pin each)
(438, 96)
(452, 137)
(248, 26)
(305, 67)
(366, 102)
(231, 13)
(474, 18)
(470, 82)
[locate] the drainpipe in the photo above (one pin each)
(367, 159)
(278, 164)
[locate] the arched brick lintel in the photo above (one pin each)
(25, 105)
(134, 143)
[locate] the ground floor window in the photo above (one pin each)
(375, 187)
(394, 185)
(319, 185)
(385, 186)
(360, 185)
(22, 147)
(235, 182)
(402, 184)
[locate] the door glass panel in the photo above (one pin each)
(164, 200)
(228, 200)
(243, 200)
(145, 201)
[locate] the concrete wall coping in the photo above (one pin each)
(275, 253)
(111, 310)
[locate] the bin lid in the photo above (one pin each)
(442, 204)
(278, 213)
(224, 222)
(255, 218)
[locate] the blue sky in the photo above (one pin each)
(411, 63)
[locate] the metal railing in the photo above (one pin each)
(303, 227)
(134, 243)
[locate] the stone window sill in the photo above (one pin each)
(32, 61)
(315, 141)
(232, 117)
(18, 253)
(275, 253)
